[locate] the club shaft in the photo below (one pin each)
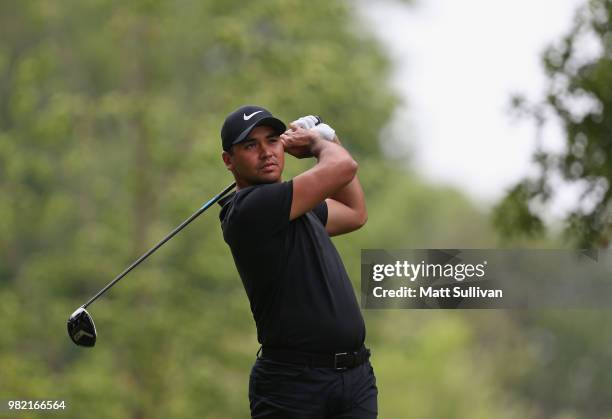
(158, 245)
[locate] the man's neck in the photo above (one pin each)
(241, 184)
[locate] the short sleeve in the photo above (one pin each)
(263, 209)
(321, 212)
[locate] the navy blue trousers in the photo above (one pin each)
(280, 390)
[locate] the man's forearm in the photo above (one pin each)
(352, 195)
(334, 170)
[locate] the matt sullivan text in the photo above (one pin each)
(431, 292)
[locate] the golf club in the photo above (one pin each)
(81, 327)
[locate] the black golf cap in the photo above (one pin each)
(239, 124)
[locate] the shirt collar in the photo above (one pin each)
(226, 199)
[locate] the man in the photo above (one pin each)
(313, 362)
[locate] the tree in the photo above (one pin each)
(579, 95)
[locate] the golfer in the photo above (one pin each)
(312, 362)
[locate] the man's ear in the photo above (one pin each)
(227, 159)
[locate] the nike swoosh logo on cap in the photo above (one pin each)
(247, 117)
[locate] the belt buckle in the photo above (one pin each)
(336, 367)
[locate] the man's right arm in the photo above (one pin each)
(334, 170)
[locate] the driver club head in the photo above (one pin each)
(81, 328)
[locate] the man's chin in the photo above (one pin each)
(271, 174)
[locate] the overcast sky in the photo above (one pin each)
(457, 64)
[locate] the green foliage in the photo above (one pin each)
(579, 96)
(566, 351)
(513, 214)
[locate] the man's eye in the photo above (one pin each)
(249, 146)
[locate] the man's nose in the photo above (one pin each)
(265, 150)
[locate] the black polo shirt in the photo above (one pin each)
(300, 294)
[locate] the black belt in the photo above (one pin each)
(338, 361)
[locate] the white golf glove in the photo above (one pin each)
(326, 131)
(314, 122)
(307, 122)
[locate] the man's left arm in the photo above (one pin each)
(346, 209)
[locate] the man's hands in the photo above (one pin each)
(303, 134)
(314, 122)
(300, 142)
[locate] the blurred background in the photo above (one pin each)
(476, 125)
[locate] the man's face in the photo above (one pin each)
(258, 159)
